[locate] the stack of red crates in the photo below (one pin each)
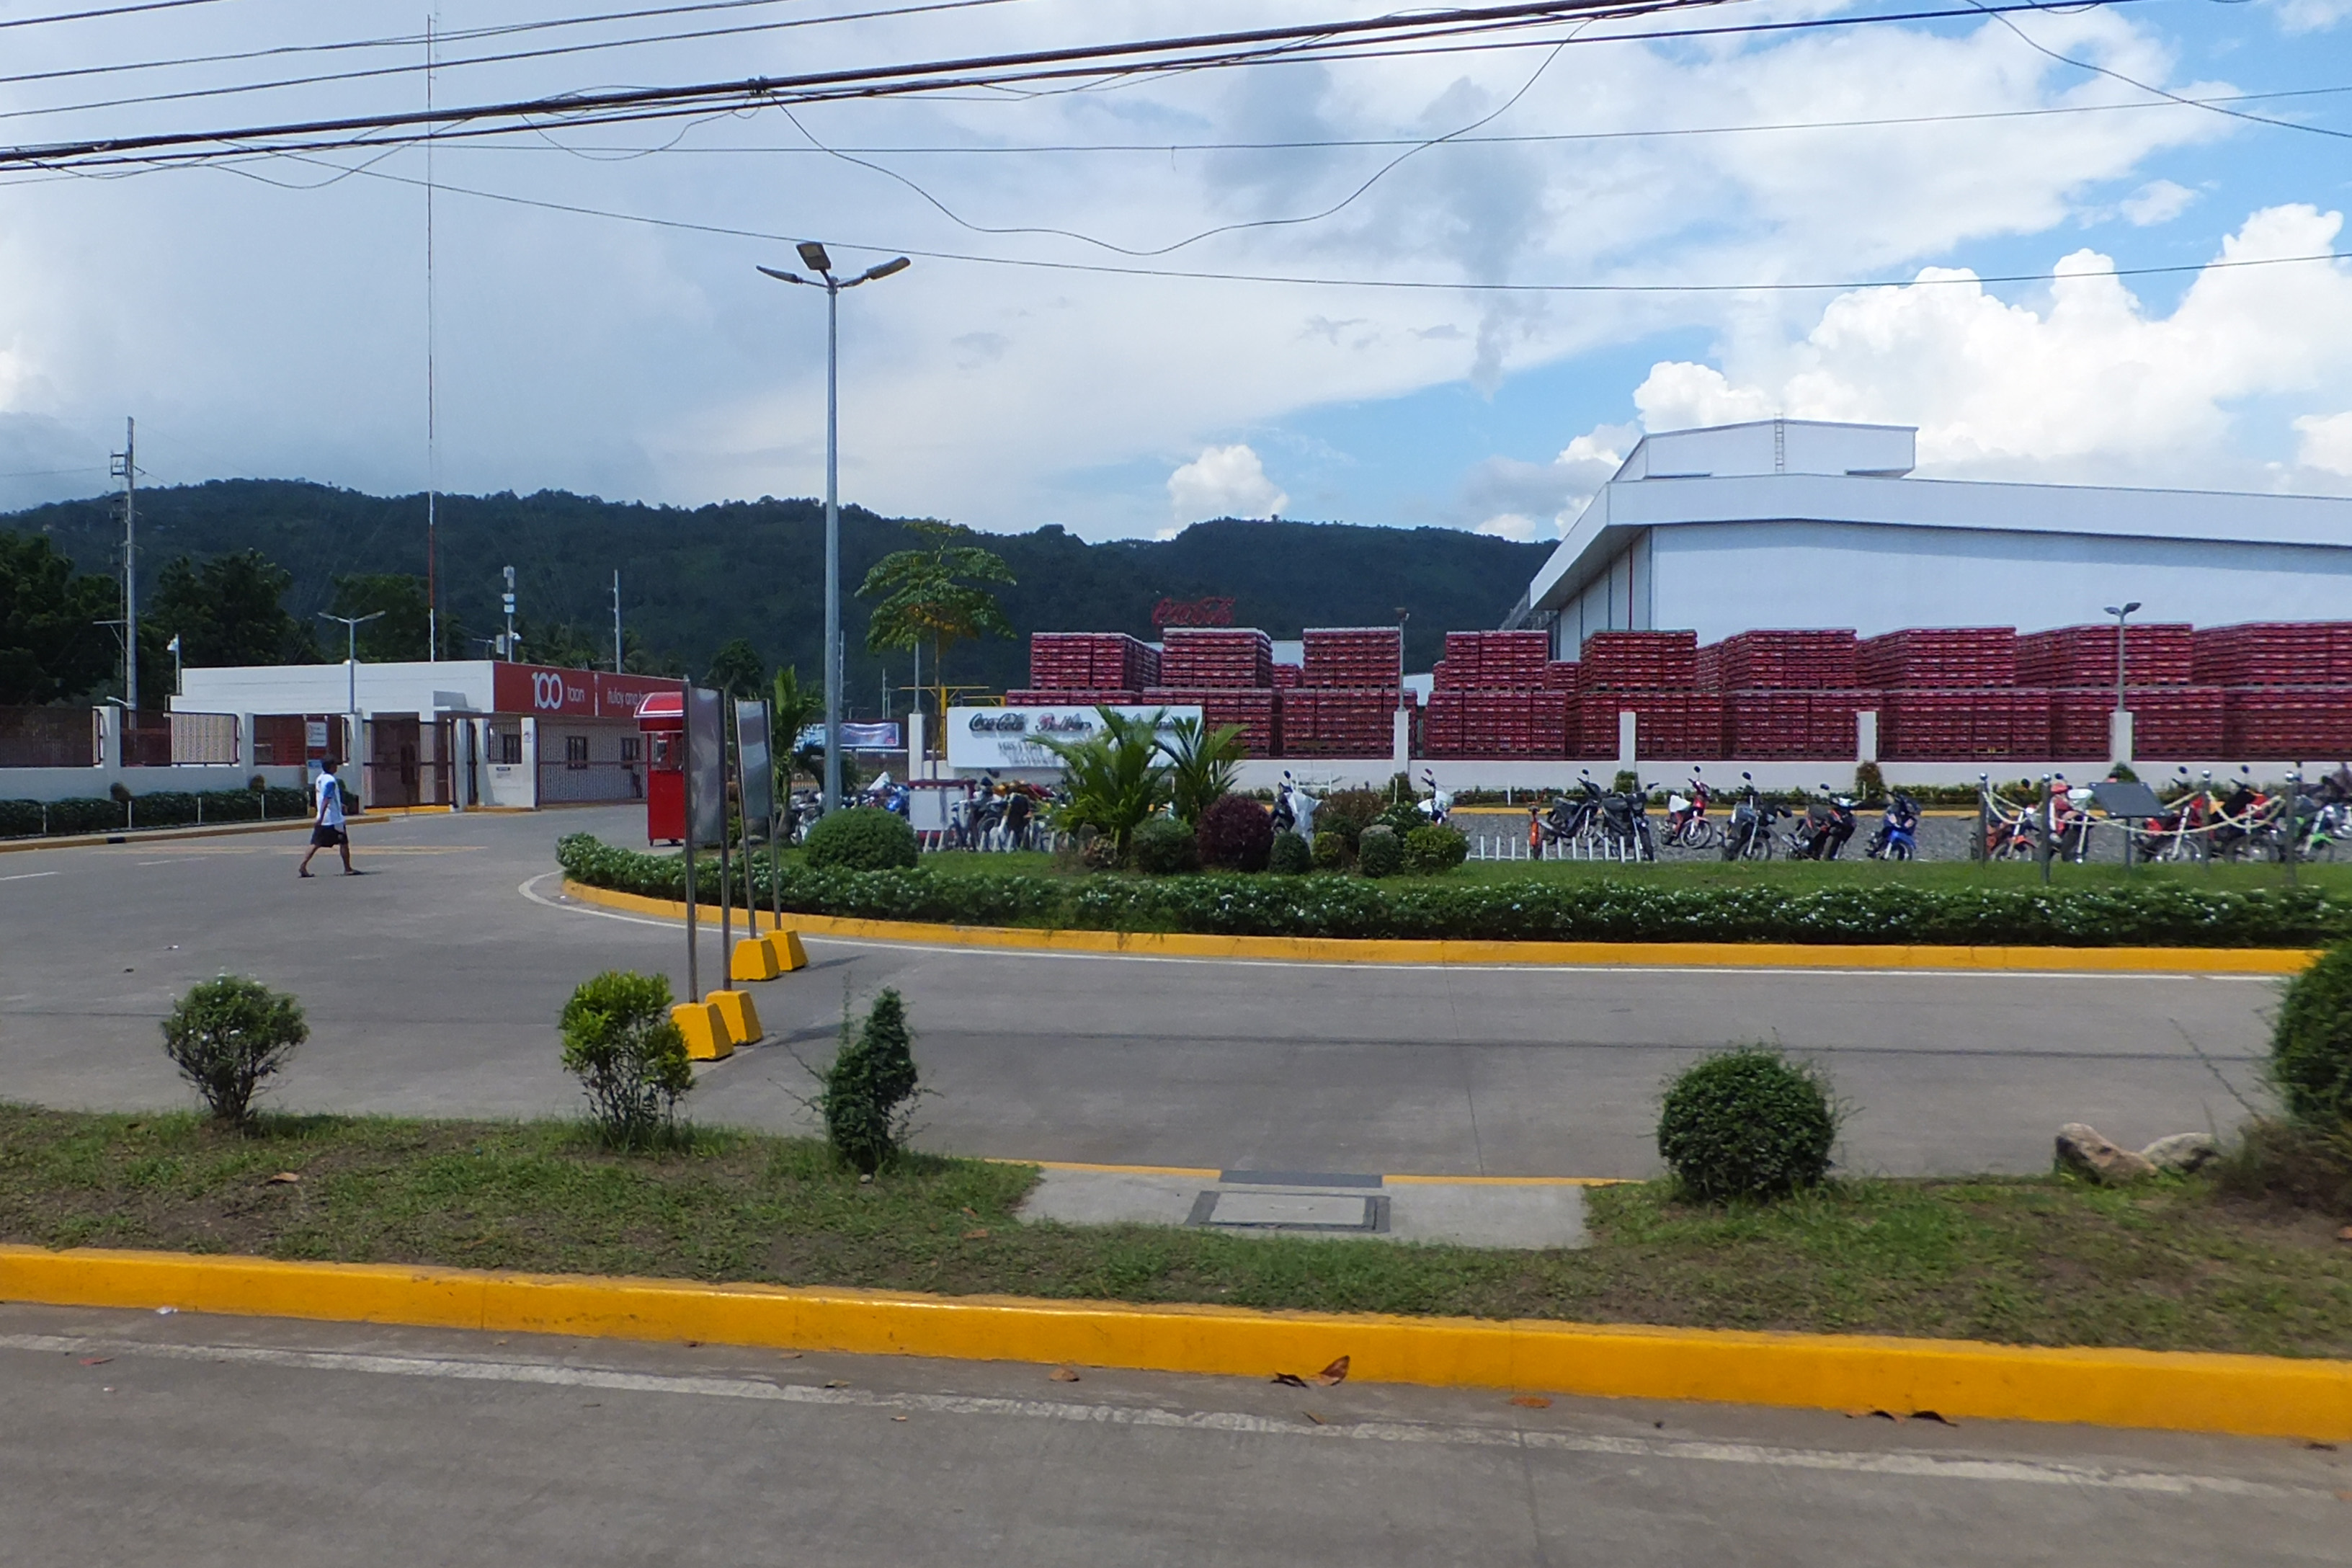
(1195, 656)
(1354, 656)
(2162, 653)
(1920, 724)
(1498, 722)
(1050, 696)
(1783, 661)
(2273, 653)
(1496, 660)
(1677, 725)
(1255, 709)
(1939, 657)
(1090, 661)
(1287, 675)
(1339, 721)
(2171, 723)
(2287, 725)
(1559, 675)
(1638, 661)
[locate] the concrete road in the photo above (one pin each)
(192, 1441)
(433, 987)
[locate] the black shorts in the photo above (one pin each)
(325, 838)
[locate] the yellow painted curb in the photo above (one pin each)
(1637, 954)
(168, 835)
(2254, 1396)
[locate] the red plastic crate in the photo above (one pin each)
(2161, 654)
(1090, 660)
(1341, 721)
(1919, 725)
(1939, 657)
(1055, 697)
(1638, 661)
(1257, 712)
(2266, 723)
(1203, 657)
(1781, 661)
(2274, 653)
(1353, 656)
(1671, 725)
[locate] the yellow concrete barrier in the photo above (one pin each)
(1614, 954)
(2182, 1391)
(707, 1036)
(737, 1016)
(753, 958)
(786, 946)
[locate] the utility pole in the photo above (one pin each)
(508, 599)
(432, 422)
(617, 623)
(126, 468)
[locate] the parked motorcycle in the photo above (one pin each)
(1822, 829)
(1687, 820)
(1897, 837)
(1748, 836)
(1625, 823)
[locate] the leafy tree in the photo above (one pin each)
(795, 708)
(52, 645)
(933, 593)
(561, 645)
(230, 610)
(1114, 776)
(737, 669)
(404, 632)
(1201, 767)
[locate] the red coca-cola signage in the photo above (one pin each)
(572, 693)
(1213, 611)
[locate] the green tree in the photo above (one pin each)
(1115, 776)
(1202, 766)
(561, 645)
(737, 669)
(796, 707)
(403, 633)
(230, 610)
(53, 648)
(931, 593)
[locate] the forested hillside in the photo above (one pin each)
(692, 579)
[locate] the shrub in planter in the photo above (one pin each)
(1332, 850)
(1289, 856)
(1380, 852)
(619, 1042)
(862, 838)
(20, 819)
(2311, 1046)
(1347, 813)
(1746, 1123)
(1235, 833)
(163, 808)
(1164, 846)
(229, 1037)
(85, 816)
(866, 1096)
(1430, 849)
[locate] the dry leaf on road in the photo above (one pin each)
(1289, 1380)
(1063, 1374)
(1531, 1401)
(1335, 1375)
(282, 1177)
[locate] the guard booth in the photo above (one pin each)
(661, 722)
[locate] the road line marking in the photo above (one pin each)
(1910, 1463)
(27, 876)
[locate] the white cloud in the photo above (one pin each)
(1536, 501)
(2158, 201)
(1223, 481)
(2090, 387)
(2312, 16)
(2326, 442)
(1518, 526)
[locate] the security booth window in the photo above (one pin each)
(630, 747)
(575, 751)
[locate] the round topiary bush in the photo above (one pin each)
(1332, 850)
(1746, 1123)
(1401, 817)
(229, 1036)
(1380, 852)
(1289, 856)
(1431, 849)
(862, 838)
(1235, 833)
(1162, 846)
(2311, 1048)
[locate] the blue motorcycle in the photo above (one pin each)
(1897, 837)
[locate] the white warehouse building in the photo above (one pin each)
(1797, 523)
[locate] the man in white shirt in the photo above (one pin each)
(327, 826)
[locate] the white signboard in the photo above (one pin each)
(979, 738)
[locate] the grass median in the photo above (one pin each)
(2175, 1266)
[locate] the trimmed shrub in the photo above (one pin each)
(1164, 846)
(1746, 1123)
(1347, 813)
(1289, 856)
(2311, 1046)
(1380, 852)
(1402, 818)
(230, 1036)
(1235, 833)
(1430, 851)
(1869, 784)
(862, 838)
(84, 815)
(866, 1096)
(21, 819)
(630, 1058)
(1332, 850)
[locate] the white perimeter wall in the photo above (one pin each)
(1722, 578)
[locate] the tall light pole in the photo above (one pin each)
(814, 257)
(351, 625)
(2122, 614)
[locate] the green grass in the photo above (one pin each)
(2174, 1266)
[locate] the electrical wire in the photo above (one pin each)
(106, 11)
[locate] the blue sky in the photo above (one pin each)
(269, 319)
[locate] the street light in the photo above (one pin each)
(2122, 614)
(351, 625)
(813, 257)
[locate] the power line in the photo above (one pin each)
(1088, 61)
(107, 11)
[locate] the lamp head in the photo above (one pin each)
(814, 257)
(885, 268)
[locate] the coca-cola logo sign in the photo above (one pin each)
(1002, 721)
(1213, 611)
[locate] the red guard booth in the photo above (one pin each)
(661, 719)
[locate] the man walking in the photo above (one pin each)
(326, 830)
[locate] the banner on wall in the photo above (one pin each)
(985, 738)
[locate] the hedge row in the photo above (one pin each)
(163, 808)
(2150, 914)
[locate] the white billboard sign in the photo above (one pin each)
(982, 738)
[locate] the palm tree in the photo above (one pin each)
(933, 595)
(1114, 776)
(795, 708)
(1201, 767)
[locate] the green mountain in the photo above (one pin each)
(691, 578)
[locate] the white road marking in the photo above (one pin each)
(27, 876)
(2030, 1472)
(528, 888)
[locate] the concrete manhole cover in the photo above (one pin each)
(1291, 1211)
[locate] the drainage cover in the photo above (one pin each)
(1291, 1211)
